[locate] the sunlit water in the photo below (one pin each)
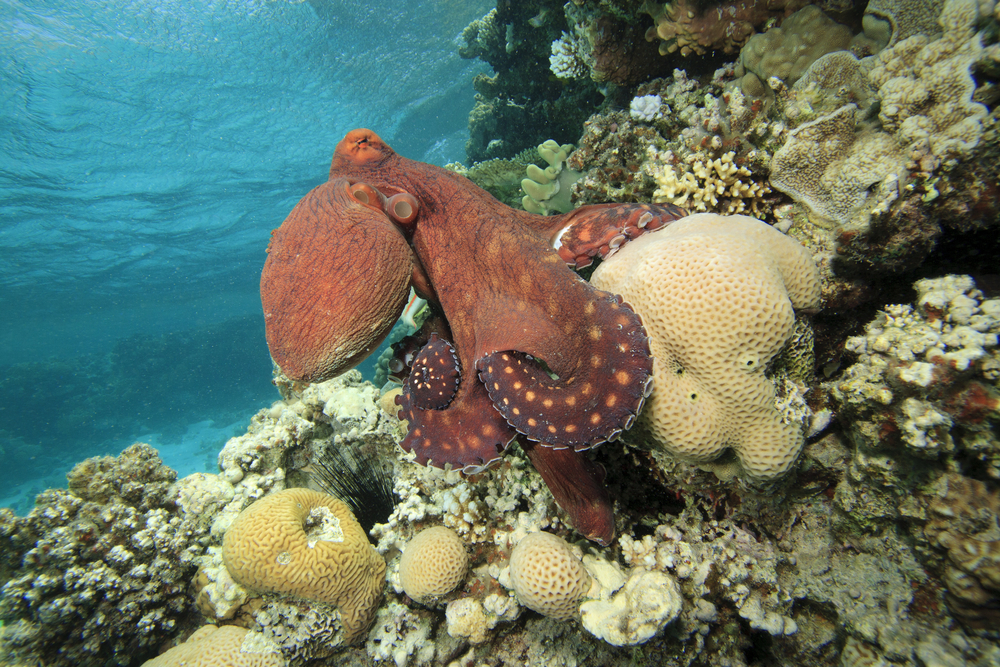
(148, 148)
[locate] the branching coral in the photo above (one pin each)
(703, 184)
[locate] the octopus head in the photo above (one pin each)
(359, 148)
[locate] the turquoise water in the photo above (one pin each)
(148, 148)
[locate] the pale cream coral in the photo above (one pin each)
(926, 89)
(434, 563)
(701, 184)
(548, 577)
(228, 646)
(307, 544)
(716, 295)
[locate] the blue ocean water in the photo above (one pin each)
(148, 149)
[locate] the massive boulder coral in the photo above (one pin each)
(307, 544)
(717, 296)
(227, 646)
(786, 52)
(433, 564)
(689, 28)
(101, 570)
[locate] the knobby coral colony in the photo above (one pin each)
(511, 312)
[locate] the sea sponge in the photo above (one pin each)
(307, 544)
(434, 562)
(228, 646)
(716, 295)
(547, 575)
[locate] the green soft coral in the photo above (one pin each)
(548, 190)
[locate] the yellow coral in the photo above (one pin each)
(228, 646)
(433, 563)
(702, 184)
(307, 544)
(716, 296)
(548, 576)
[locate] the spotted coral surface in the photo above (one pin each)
(717, 296)
(434, 562)
(307, 544)
(548, 576)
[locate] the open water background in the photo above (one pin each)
(147, 149)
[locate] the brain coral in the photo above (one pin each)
(433, 563)
(547, 576)
(716, 295)
(307, 544)
(228, 646)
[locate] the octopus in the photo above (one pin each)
(521, 347)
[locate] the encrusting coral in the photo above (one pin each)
(433, 564)
(307, 544)
(717, 296)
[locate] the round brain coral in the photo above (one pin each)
(434, 562)
(226, 646)
(307, 544)
(716, 295)
(547, 576)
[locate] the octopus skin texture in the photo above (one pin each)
(523, 346)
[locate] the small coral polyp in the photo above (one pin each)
(717, 296)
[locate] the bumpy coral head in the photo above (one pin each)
(547, 575)
(717, 295)
(307, 544)
(336, 279)
(434, 563)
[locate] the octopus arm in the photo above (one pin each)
(577, 485)
(572, 378)
(600, 229)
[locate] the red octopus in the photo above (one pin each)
(523, 345)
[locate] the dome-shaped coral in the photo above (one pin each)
(212, 646)
(434, 562)
(716, 295)
(307, 544)
(547, 576)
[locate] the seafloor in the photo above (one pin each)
(846, 513)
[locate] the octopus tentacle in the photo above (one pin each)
(600, 229)
(435, 375)
(577, 484)
(595, 402)
(403, 208)
(468, 432)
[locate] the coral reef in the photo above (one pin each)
(99, 572)
(519, 106)
(687, 28)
